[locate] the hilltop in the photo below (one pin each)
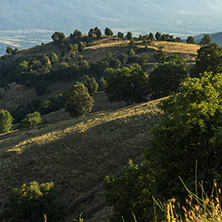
(94, 53)
(77, 154)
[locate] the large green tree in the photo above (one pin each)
(209, 59)
(189, 132)
(127, 84)
(78, 101)
(165, 79)
(185, 143)
(5, 121)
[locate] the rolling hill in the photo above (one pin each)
(77, 154)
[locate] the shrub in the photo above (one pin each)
(31, 201)
(5, 121)
(78, 101)
(31, 120)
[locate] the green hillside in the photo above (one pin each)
(77, 155)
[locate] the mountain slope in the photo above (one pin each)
(147, 15)
(77, 155)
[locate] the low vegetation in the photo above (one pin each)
(180, 134)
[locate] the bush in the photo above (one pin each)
(91, 84)
(5, 121)
(78, 101)
(32, 201)
(127, 84)
(31, 120)
(129, 194)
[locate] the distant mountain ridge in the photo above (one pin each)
(184, 16)
(216, 37)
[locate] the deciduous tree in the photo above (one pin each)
(5, 121)
(127, 84)
(78, 100)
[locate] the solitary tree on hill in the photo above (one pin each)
(78, 102)
(108, 32)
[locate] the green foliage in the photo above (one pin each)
(31, 120)
(102, 84)
(127, 84)
(209, 59)
(131, 53)
(166, 78)
(130, 194)
(123, 58)
(91, 84)
(143, 59)
(9, 50)
(132, 43)
(78, 101)
(120, 35)
(32, 201)
(108, 32)
(52, 104)
(151, 37)
(77, 34)
(190, 40)
(98, 33)
(158, 36)
(58, 37)
(53, 57)
(129, 35)
(5, 121)
(206, 40)
(190, 131)
(81, 47)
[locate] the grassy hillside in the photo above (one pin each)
(77, 154)
(94, 52)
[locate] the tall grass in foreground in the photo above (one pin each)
(203, 208)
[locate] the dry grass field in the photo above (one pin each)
(76, 154)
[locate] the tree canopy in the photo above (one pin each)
(206, 40)
(190, 40)
(165, 79)
(78, 101)
(127, 84)
(209, 59)
(190, 131)
(5, 121)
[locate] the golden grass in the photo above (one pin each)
(77, 154)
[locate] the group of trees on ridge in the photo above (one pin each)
(188, 133)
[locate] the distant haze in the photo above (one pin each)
(182, 17)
